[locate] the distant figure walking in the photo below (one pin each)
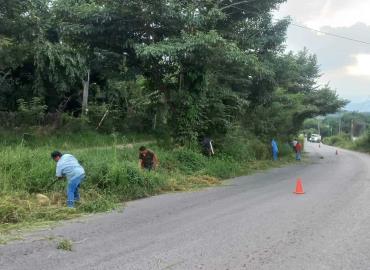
(298, 151)
(275, 149)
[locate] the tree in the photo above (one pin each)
(181, 68)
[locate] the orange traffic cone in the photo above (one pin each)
(299, 187)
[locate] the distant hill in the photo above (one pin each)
(359, 106)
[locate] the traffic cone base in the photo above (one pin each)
(299, 187)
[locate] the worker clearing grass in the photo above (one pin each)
(274, 149)
(69, 167)
(147, 159)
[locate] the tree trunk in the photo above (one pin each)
(85, 95)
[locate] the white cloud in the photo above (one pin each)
(345, 64)
(349, 87)
(361, 67)
(342, 16)
(319, 13)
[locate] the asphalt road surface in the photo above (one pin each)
(253, 222)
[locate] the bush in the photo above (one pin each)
(189, 161)
(338, 140)
(237, 147)
(285, 149)
(32, 112)
(261, 150)
(363, 143)
(75, 124)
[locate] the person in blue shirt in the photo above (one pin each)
(69, 167)
(275, 149)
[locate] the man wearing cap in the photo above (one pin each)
(69, 167)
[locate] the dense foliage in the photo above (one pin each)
(178, 68)
(343, 123)
(345, 129)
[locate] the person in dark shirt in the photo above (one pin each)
(147, 159)
(207, 147)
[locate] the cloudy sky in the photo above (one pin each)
(345, 64)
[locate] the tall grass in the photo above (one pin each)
(112, 171)
(38, 137)
(361, 144)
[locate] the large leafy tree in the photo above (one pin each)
(186, 68)
(34, 60)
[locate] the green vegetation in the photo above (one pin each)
(65, 244)
(343, 123)
(361, 144)
(76, 75)
(349, 130)
(113, 176)
(180, 70)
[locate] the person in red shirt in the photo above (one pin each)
(298, 151)
(147, 159)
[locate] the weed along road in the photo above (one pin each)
(253, 222)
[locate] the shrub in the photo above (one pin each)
(237, 147)
(338, 140)
(285, 149)
(75, 124)
(188, 160)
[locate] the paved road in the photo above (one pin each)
(253, 222)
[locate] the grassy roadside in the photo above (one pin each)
(362, 144)
(113, 177)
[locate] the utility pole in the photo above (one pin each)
(318, 126)
(352, 129)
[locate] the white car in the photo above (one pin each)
(315, 138)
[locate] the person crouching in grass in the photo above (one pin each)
(69, 167)
(147, 159)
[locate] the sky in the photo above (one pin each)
(345, 65)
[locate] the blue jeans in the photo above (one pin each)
(298, 156)
(72, 189)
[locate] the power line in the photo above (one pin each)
(330, 34)
(312, 29)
